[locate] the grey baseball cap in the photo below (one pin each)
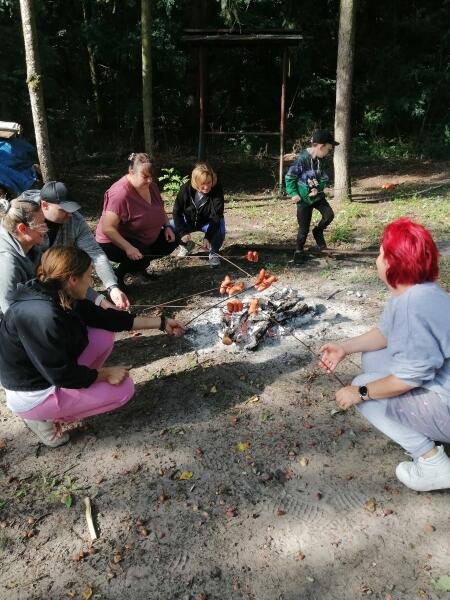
(56, 192)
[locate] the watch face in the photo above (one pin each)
(363, 390)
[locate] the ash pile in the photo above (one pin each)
(247, 323)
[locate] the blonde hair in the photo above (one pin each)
(19, 210)
(200, 174)
(58, 264)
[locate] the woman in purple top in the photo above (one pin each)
(134, 226)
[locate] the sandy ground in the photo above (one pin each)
(230, 475)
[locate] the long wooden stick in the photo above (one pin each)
(90, 522)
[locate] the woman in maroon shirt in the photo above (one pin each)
(134, 226)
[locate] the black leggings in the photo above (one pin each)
(159, 247)
(304, 215)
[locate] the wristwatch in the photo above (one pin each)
(162, 326)
(364, 393)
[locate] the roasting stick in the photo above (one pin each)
(291, 331)
(149, 306)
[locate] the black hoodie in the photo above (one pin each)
(40, 342)
(189, 218)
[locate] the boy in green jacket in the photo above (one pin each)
(305, 182)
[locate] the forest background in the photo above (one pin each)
(91, 62)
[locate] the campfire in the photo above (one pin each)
(246, 323)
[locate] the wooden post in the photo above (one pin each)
(201, 132)
(282, 117)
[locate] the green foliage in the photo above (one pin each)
(171, 181)
(341, 233)
(63, 491)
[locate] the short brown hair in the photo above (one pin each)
(57, 265)
(200, 173)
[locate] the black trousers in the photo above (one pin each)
(304, 215)
(159, 247)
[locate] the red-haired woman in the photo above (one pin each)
(404, 390)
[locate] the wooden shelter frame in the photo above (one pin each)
(204, 38)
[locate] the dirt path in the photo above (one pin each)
(230, 475)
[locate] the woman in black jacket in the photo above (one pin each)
(199, 206)
(53, 344)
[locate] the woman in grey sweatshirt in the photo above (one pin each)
(22, 229)
(404, 390)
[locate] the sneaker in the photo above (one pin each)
(181, 251)
(320, 240)
(184, 249)
(299, 257)
(214, 260)
(46, 432)
(426, 474)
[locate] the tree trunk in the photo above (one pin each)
(35, 88)
(342, 121)
(92, 69)
(147, 93)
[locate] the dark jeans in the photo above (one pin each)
(304, 214)
(159, 247)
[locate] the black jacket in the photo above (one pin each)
(189, 218)
(40, 342)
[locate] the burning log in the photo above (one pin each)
(249, 327)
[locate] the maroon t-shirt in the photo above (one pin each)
(139, 219)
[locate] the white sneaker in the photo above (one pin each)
(46, 432)
(426, 474)
(214, 260)
(184, 249)
(181, 251)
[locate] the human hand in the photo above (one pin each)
(332, 354)
(348, 396)
(186, 238)
(206, 244)
(133, 253)
(113, 375)
(295, 199)
(169, 234)
(313, 192)
(175, 328)
(119, 298)
(107, 304)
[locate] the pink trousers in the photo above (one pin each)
(68, 404)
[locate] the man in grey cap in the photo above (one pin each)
(67, 227)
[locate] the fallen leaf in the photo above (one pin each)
(307, 425)
(2, 444)
(135, 468)
(213, 390)
(87, 594)
(242, 446)
(299, 556)
(318, 496)
(117, 558)
(231, 511)
(428, 528)
(303, 461)
(199, 452)
(185, 475)
(252, 399)
(162, 496)
(203, 596)
(371, 505)
(339, 431)
(281, 512)
(442, 584)
(387, 512)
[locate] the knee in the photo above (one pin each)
(102, 339)
(330, 216)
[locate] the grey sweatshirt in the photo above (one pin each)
(76, 232)
(15, 266)
(417, 327)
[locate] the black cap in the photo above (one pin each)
(56, 192)
(323, 136)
